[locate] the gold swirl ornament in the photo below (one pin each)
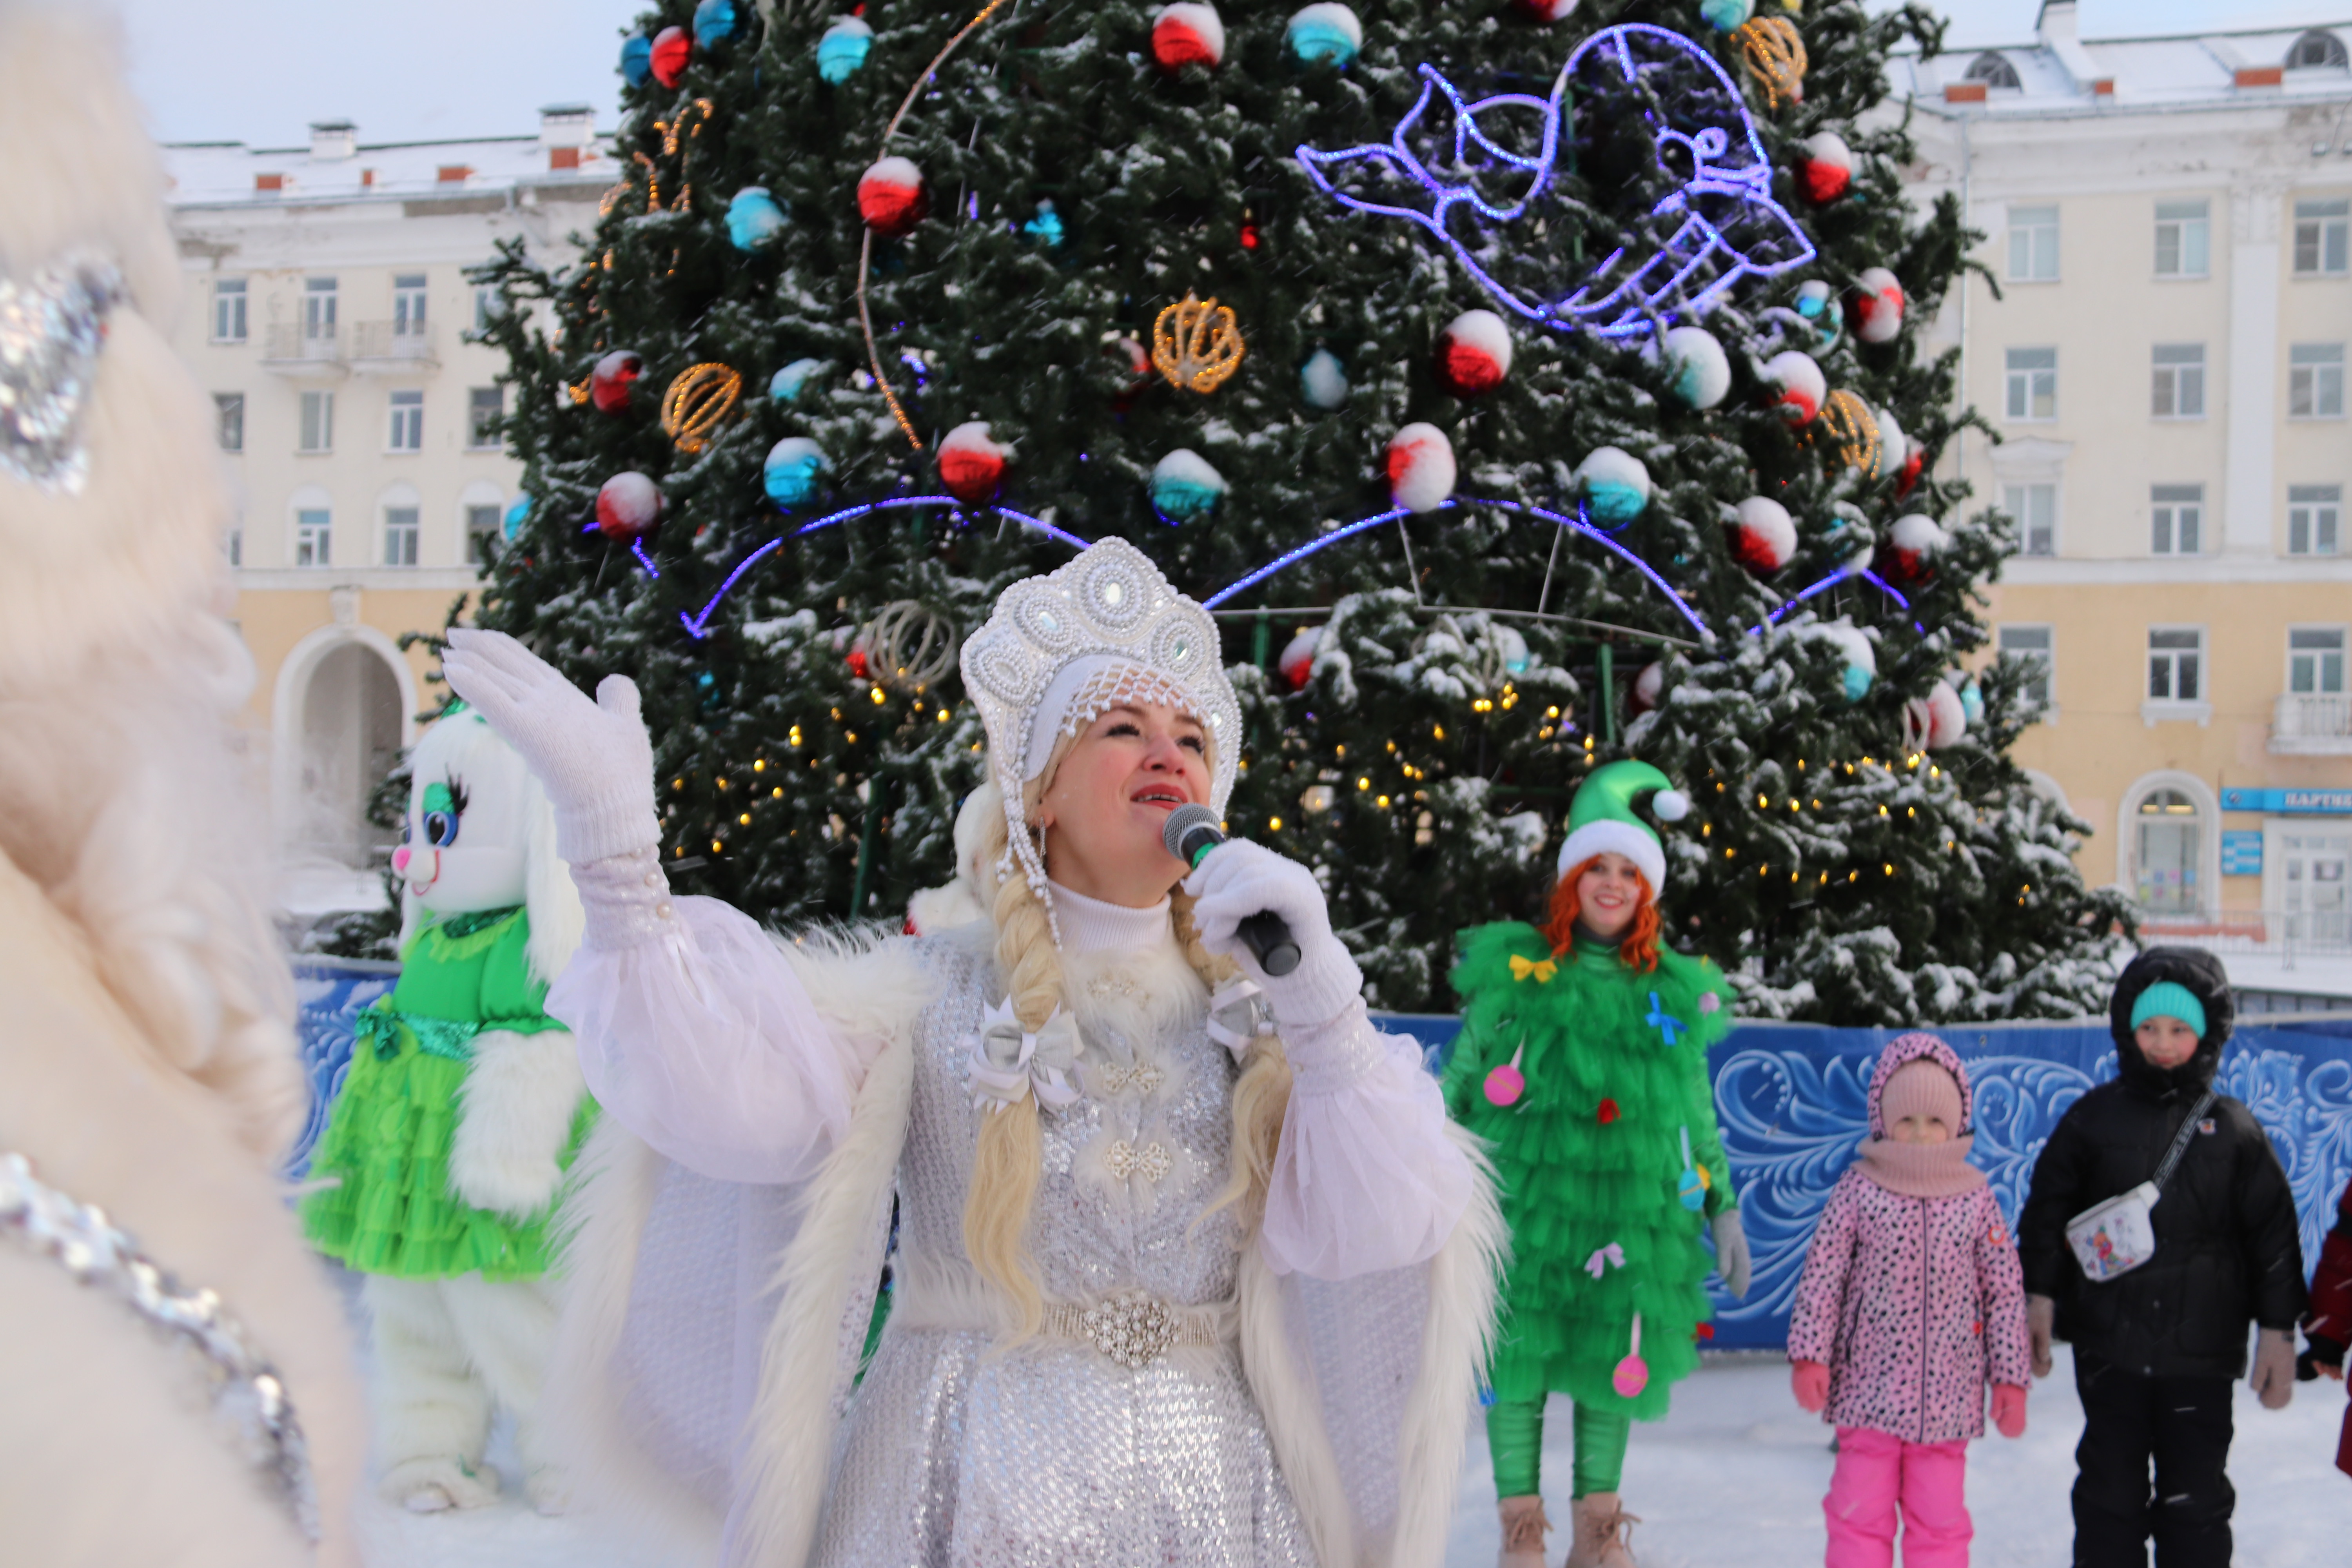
(698, 402)
(1196, 344)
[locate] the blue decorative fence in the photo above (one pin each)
(330, 992)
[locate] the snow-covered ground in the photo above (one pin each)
(1735, 1476)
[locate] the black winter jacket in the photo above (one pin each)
(2226, 1248)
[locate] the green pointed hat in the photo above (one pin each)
(1605, 818)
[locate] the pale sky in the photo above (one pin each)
(260, 71)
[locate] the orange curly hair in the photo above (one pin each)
(1638, 952)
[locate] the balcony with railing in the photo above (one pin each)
(380, 346)
(292, 349)
(2309, 724)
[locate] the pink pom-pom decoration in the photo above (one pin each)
(1764, 539)
(1912, 543)
(891, 198)
(1797, 378)
(609, 382)
(1826, 170)
(1474, 352)
(673, 47)
(1421, 467)
(1875, 306)
(1297, 660)
(1187, 34)
(970, 465)
(628, 505)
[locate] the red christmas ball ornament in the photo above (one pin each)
(1915, 463)
(1608, 1112)
(1802, 389)
(1825, 172)
(1909, 552)
(628, 505)
(1764, 536)
(609, 382)
(1297, 660)
(1187, 34)
(1546, 11)
(1474, 352)
(857, 661)
(673, 47)
(970, 465)
(1875, 306)
(1249, 235)
(1134, 365)
(1934, 722)
(891, 197)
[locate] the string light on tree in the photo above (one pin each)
(1852, 431)
(1775, 56)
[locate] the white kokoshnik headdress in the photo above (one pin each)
(1060, 650)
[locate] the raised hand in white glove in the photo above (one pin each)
(593, 758)
(1239, 878)
(1731, 1260)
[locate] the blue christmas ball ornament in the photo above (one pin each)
(1726, 16)
(1325, 31)
(787, 384)
(1615, 486)
(753, 218)
(843, 50)
(1973, 703)
(1184, 487)
(637, 60)
(794, 468)
(1046, 229)
(1812, 298)
(1323, 380)
(715, 22)
(518, 514)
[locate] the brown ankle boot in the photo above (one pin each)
(1604, 1533)
(1524, 1529)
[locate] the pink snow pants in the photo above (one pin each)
(1875, 1474)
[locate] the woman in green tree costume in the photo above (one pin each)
(1582, 1061)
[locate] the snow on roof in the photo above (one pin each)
(2056, 71)
(337, 168)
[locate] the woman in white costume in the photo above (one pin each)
(1193, 1270)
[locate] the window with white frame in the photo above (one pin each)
(2036, 648)
(486, 306)
(483, 408)
(2031, 385)
(2035, 509)
(228, 310)
(2175, 664)
(2176, 520)
(399, 531)
(2314, 381)
(408, 305)
(481, 534)
(407, 422)
(2033, 245)
(233, 545)
(318, 432)
(313, 536)
(2314, 516)
(2321, 231)
(2178, 372)
(2314, 661)
(228, 420)
(2167, 850)
(318, 307)
(2183, 239)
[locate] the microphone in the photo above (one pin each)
(1190, 833)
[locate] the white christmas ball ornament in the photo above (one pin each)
(1701, 371)
(1184, 486)
(1892, 442)
(1801, 385)
(1936, 720)
(1861, 659)
(1323, 380)
(1877, 305)
(1615, 486)
(1764, 539)
(1912, 544)
(1649, 686)
(1421, 467)
(1474, 352)
(1297, 660)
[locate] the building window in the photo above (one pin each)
(2314, 381)
(2033, 245)
(486, 306)
(483, 406)
(2176, 658)
(400, 530)
(2320, 234)
(1993, 69)
(233, 546)
(228, 310)
(2035, 509)
(408, 305)
(2183, 239)
(2171, 841)
(407, 422)
(2177, 520)
(311, 537)
(318, 307)
(228, 420)
(318, 422)
(2314, 515)
(2179, 384)
(2316, 50)
(2033, 646)
(2314, 661)
(2032, 384)
(481, 534)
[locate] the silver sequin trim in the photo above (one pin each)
(52, 325)
(625, 900)
(1133, 1328)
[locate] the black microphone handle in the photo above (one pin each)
(1267, 936)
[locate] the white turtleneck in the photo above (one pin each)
(1093, 925)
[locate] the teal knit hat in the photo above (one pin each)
(2169, 999)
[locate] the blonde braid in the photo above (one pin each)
(1262, 1097)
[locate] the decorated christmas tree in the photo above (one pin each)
(1524, 386)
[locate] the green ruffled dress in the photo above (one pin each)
(1591, 1157)
(388, 1139)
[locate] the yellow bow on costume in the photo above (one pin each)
(1543, 969)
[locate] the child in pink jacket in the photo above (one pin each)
(1912, 1300)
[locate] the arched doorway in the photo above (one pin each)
(2168, 851)
(347, 739)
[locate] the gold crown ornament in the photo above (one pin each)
(1196, 344)
(1852, 432)
(698, 402)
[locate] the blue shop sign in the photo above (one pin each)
(2290, 801)
(2242, 852)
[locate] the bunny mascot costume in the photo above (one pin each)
(1192, 1267)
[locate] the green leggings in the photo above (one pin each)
(1515, 1433)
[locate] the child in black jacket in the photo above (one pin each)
(2156, 1347)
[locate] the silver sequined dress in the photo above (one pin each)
(1052, 1453)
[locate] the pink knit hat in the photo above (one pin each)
(1921, 1087)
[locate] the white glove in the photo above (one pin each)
(593, 758)
(1731, 1260)
(2274, 1378)
(1239, 878)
